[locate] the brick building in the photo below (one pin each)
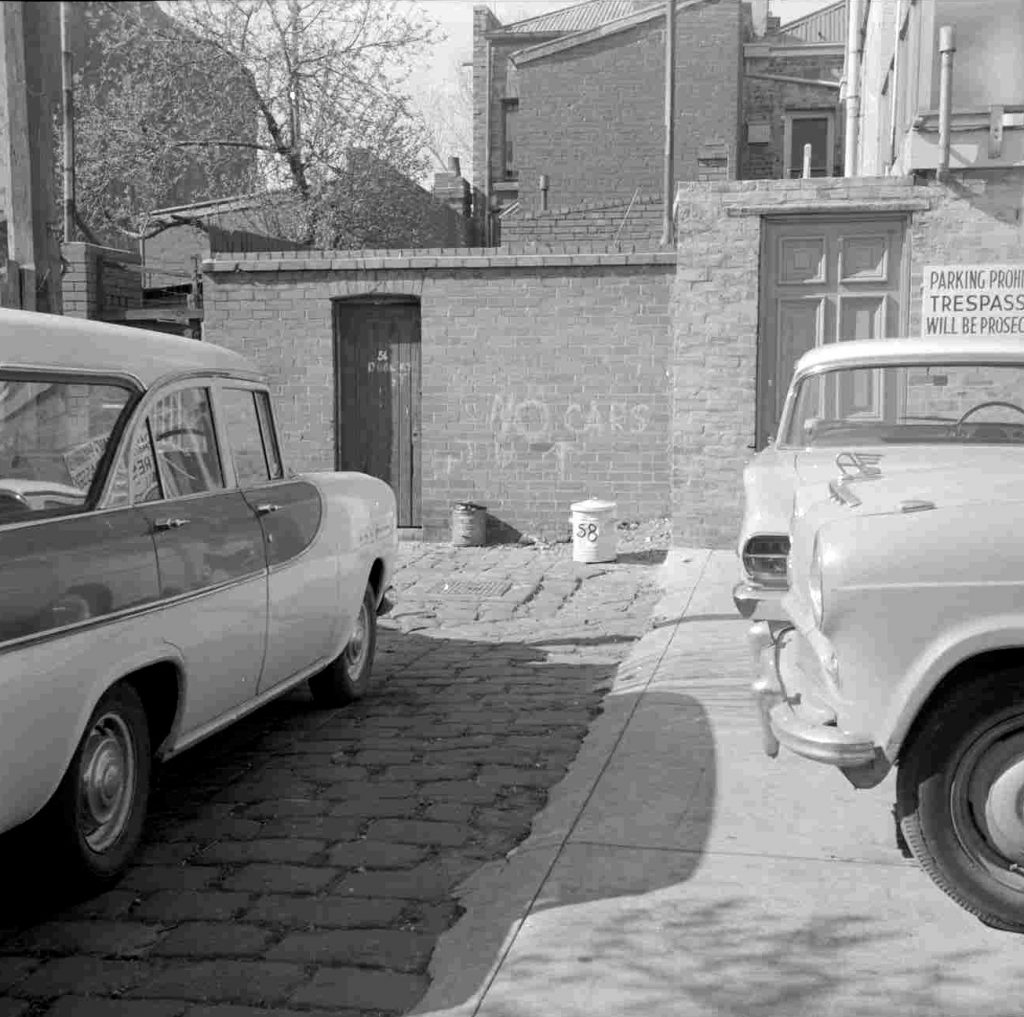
(569, 107)
(807, 262)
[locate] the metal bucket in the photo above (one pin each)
(593, 531)
(469, 525)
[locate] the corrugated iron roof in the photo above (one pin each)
(825, 25)
(579, 17)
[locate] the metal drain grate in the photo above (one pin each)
(482, 588)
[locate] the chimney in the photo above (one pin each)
(452, 189)
(759, 15)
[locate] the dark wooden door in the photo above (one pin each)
(377, 356)
(825, 279)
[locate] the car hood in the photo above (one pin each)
(881, 475)
(779, 481)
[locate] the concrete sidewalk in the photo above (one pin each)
(676, 870)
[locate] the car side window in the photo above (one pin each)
(53, 436)
(241, 421)
(185, 444)
(145, 484)
(269, 437)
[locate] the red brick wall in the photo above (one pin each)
(544, 377)
(592, 117)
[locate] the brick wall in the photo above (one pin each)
(766, 97)
(765, 102)
(592, 117)
(544, 377)
(610, 222)
(975, 218)
(98, 280)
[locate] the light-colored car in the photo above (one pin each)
(812, 447)
(164, 574)
(903, 643)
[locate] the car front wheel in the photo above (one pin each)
(94, 821)
(960, 797)
(348, 678)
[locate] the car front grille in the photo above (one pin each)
(764, 558)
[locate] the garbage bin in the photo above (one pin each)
(469, 524)
(593, 530)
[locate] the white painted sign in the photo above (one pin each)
(973, 300)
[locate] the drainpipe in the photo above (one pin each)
(488, 230)
(670, 111)
(894, 87)
(855, 12)
(947, 47)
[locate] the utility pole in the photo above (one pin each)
(670, 117)
(67, 82)
(29, 98)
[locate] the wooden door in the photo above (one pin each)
(826, 279)
(377, 367)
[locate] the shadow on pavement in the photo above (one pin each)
(585, 851)
(464, 738)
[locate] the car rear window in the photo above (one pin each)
(53, 434)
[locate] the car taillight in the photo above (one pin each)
(764, 558)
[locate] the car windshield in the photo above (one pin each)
(920, 403)
(53, 434)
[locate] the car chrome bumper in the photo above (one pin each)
(786, 719)
(758, 603)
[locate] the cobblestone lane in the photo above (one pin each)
(304, 861)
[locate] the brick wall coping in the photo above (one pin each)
(828, 205)
(586, 206)
(817, 185)
(427, 260)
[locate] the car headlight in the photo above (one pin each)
(815, 584)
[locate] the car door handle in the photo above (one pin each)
(266, 508)
(169, 524)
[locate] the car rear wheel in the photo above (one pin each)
(94, 821)
(349, 677)
(960, 797)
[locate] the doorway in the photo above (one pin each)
(824, 279)
(377, 391)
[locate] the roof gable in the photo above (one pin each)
(579, 17)
(825, 25)
(623, 24)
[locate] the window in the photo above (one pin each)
(808, 128)
(183, 439)
(269, 435)
(509, 112)
(242, 421)
(53, 435)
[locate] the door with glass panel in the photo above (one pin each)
(828, 279)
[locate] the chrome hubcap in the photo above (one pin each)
(107, 782)
(996, 796)
(358, 645)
